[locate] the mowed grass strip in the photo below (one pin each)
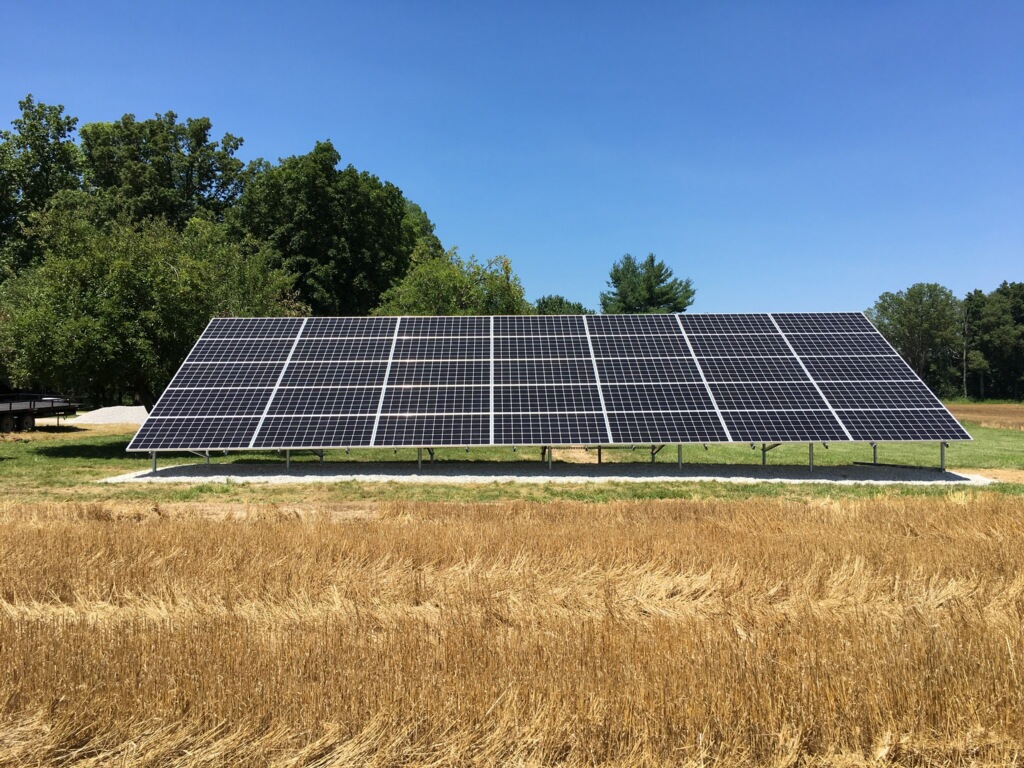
(755, 632)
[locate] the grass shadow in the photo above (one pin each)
(114, 449)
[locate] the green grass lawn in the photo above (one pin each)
(67, 466)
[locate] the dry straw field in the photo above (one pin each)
(771, 632)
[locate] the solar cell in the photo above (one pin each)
(540, 347)
(833, 344)
(632, 325)
(240, 350)
(253, 327)
(228, 375)
(194, 433)
(716, 325)
(739, 345)
(823, 322)
(453, 429)
(325, 401)
(549, 429)
(541, 380)
(314, 432)
(880, 394)
(380, 327)
(657, 397)
(858, 369)
(543, 372)
(334, 374)
(211, 402)
(649, 370)
(440, 373)
(783, 426)
(445, 326)
(473, 399)
(538, 325)
(640, 346)
(663, 427)
(878, 426)
(443, 348)
(752, 369)
(341, 349)
(767, 396)
(546, 398)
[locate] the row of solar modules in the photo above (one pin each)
(541, 387)
(534, 325)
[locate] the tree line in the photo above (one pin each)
(119, 240)
(971, 347)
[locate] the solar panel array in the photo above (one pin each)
(339, 382)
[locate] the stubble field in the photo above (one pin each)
(760, 631)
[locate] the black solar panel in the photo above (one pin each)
(379, 327)
(457, 429)
(314, 432)
(325, 401)
(689, 427)
(550, 429)
(212, 402)
(270, 383)
(657, 397)
(545, 398)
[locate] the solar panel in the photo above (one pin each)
(322, 382)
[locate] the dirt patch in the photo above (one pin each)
(1002, 475)
(1002, 416)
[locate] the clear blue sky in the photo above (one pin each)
(785, 156)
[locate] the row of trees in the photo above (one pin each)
(119, 240)
(970, 347)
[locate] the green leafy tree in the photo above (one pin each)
(924, 323)
(454, 286)
(38, 159)
(115, 310)
(161, 168)
(1001, 341)
(559, 305)
(644, 287)
(346, 235)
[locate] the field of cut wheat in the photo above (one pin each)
(757, 632)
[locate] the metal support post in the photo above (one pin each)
(543, 453)
(679, 455)
(207, 458)
(942, 456)
(810, 457)
(288, 460)
(419, 458)
(599, 454)
(874, 453)
(549, 458)
(764, 455)
(153, 454)
(431, 452)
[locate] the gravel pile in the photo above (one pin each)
(117, 414)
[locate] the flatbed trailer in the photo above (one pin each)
(19, 412)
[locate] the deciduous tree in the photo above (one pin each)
(454, 286)
(116, 310)
(923, 324)
(559, 305)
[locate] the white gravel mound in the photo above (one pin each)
(117, 414)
